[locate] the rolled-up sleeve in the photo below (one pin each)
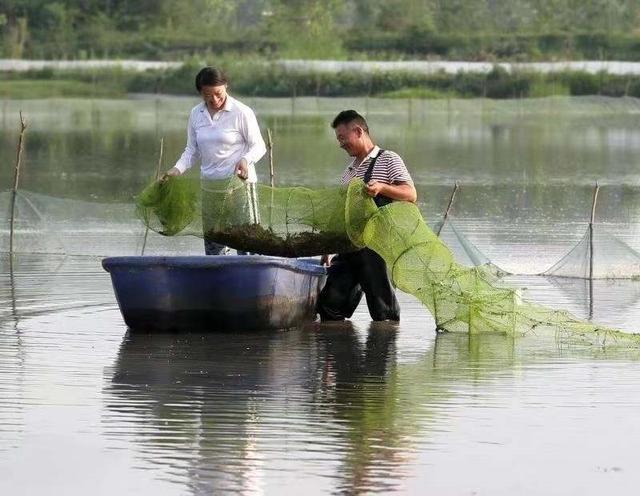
(397, 170)
(251, 133)
(191, 154)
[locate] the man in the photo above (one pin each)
(364, 271)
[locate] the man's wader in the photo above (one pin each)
(351, 274)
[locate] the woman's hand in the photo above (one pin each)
(174, 171)
(242, 169)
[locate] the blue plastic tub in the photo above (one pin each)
(215, 292)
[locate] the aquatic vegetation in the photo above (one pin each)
(173, 203)
(256, 239)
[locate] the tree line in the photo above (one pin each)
(464, 29)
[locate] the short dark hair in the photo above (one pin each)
(210, 76)
(349, 116)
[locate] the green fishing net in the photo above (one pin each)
(287, 222)
(301, 222)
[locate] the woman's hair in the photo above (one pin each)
(210, 76)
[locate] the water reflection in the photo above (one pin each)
(194, 400)
(220, 409)
(598, 299)
(11, 364)
(358, 388)
(40, 284)
(330, 403)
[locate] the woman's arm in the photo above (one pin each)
(251, 134)
(190, 154)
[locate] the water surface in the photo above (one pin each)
(88, 407)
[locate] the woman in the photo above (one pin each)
(223, 134)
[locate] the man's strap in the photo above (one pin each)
(380, 200)
(369, 173)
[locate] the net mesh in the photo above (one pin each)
(598, 255)
(288, 222)
(300, 221)
(464, 250)
(61, 226)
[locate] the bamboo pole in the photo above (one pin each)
(446, 213)
(591, 221)
(16, 180)
(158, 169)
(272, 174)
(270, 149)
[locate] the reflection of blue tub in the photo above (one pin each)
(215, 292)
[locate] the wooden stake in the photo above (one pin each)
(270, 149)
(271, 172)
(593, 215)
(446, 213)
(16, 179)
(591, 221)
(158, 170)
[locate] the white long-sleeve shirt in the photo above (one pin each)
(221, 141)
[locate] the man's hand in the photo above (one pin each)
(374, 188)
(174, 171)
(242, 169)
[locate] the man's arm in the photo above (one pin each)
(402, 191)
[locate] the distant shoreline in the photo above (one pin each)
(261, 77)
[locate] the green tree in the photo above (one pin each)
(400, 15)
(306, 28)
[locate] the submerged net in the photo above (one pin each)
(301, 222)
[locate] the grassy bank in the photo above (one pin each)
(38, 88)
(269, 80)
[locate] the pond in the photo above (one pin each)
(86, 406)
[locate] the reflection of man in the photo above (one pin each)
(360, 386)
(364, 271)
